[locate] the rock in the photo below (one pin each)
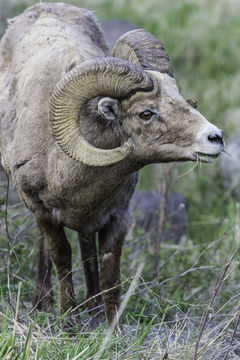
(230, 164)
(231, 167)
(145, 207)
(114, 28)
(231, 122)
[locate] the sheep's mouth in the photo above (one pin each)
(207, 158)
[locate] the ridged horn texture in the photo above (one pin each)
(144, 50)
(99, 77)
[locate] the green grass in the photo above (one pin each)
(202, 39)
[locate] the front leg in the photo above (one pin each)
(111, 239)
(61, 254)
(43, 293)
(90, 267)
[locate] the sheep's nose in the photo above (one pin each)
(217, 137)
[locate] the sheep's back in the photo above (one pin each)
(37, 49)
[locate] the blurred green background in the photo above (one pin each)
(203, 43)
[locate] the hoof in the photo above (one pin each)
(42, 298)
(93, 323)
(95, 307)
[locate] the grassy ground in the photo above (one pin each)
(194, 302)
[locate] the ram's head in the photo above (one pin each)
(137, 91)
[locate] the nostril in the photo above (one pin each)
(216, 138)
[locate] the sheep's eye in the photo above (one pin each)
(146, 115)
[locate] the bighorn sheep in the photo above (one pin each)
(77, 125)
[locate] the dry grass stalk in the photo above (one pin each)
(118, 315)
(164, 189)
(220, 281)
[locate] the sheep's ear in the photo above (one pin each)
(109, 108)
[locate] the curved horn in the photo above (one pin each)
(98, 77)
(144, 50)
